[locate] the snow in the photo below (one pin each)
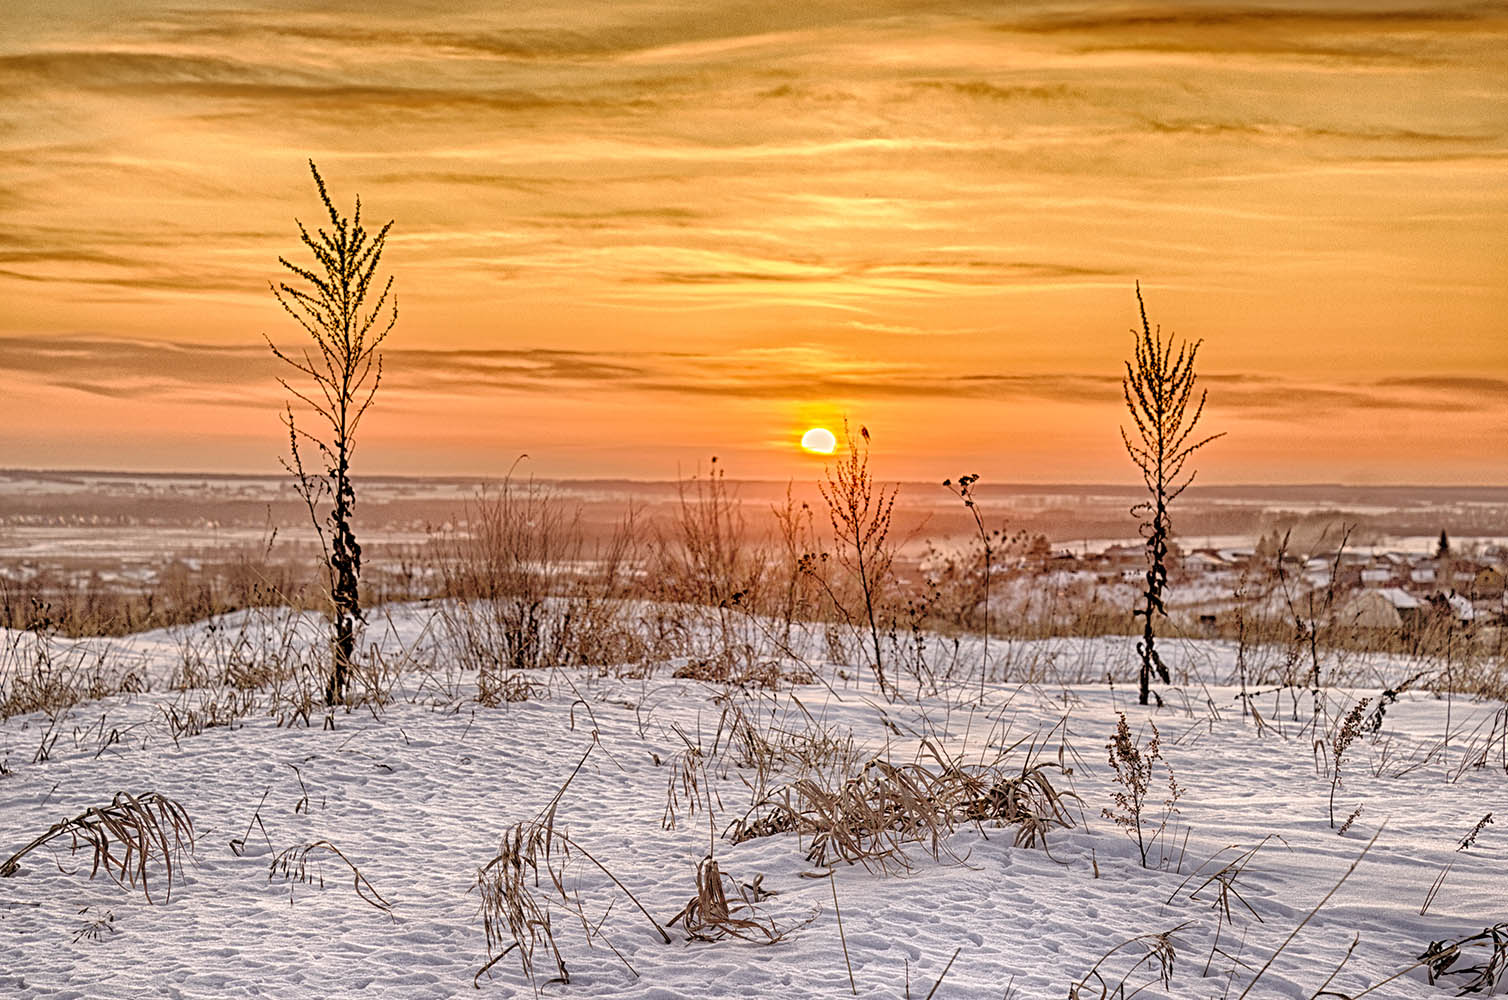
(419, 792)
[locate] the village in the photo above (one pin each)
(1369, 589)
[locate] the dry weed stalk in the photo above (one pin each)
(965, 492)
(715, 913)
(330, 303)
(1345, 734)
(1440, 960)
(860, 511)
(1158, 389)
(517, 917)
(292, 865)
(1159, 958)
(123, 837)
(1465, 843)
(1133, 764)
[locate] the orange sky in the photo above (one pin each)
(633, 235)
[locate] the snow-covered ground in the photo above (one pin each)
(418, 795)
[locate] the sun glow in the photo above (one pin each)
(819, 441)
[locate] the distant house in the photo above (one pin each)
(1414, 612)
(1204, 561)
(1377, 608)
(1488, 583)
(1459, 607)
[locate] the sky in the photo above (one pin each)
(630, 236)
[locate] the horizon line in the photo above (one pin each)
(19, 471)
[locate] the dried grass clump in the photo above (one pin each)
(210, 710)
(293, 865)
(874, 815)
(272, 650)
(530, 589)
(1441, 957)
(724, 907)
(245, 651)
(495, 688)
(749, 738)
(1027, 801)
(123, 837)
(38, 674)
(768, 675)
(516, 914)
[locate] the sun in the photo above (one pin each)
(819, 441)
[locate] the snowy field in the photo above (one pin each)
(659, 772)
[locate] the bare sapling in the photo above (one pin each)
(964, 490)
(347, 311)
(1158, 387)
(860, 511)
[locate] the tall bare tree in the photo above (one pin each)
(330, 300)
(1158, 387)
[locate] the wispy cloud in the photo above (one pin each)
(133, 368)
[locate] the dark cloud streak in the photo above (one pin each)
(130, 369)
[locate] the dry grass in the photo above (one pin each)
(516, 913)
(1099, 983)
(872, 817)
(769, 674)
(256, 648)
(123, 837)
(80, 606)
(1447, 960)
(40, 672)
(192, 713)
(724, 907)
(294, 865)
(1219, 889)
(529, 590)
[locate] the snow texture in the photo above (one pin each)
(417, 794)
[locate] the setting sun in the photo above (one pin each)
(819, 441)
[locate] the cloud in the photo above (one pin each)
(1494, 388)
(983, 90)
(1334, 32)
(1283, 131)
(1330, 17)
(276, 84)
(138, 369)
(562, 35)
